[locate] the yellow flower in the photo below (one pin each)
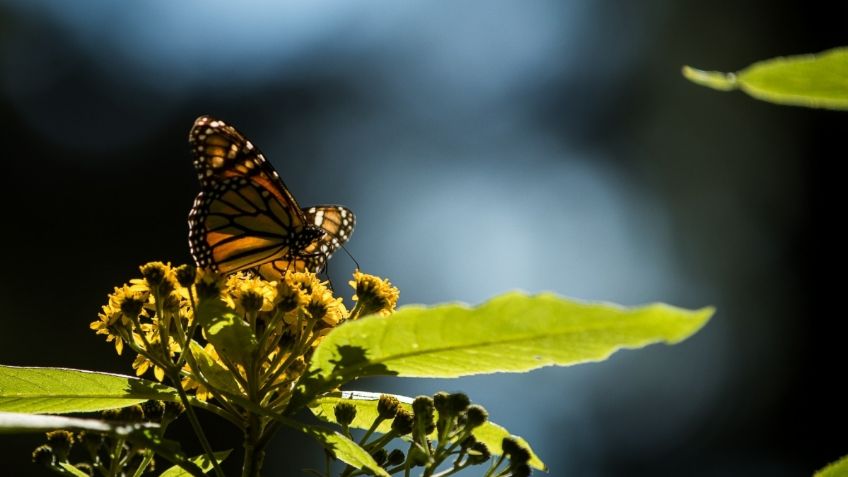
(321, 305)
(209, 284)
(125, 305)
(289, 295)
(250, 294)
(160, 277)
(142, 364)
(306, 281)
(373, 294)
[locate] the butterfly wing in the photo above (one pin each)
(244, 215)
(336, 221)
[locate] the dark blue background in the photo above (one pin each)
(485, 146)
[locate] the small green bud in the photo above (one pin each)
(440, 401)
(111, 414)
(345, 413)
(380, 456)
(153, 410)
(522, 470)
(172, 411)
(517, 453)
(403, 422)
(458, 402)
(476, 416)
(396, 457)
(61, 443)
(91, 442)
(423, 408)
(478, 453)
(387, 406)
(132, 413)
(43, 455)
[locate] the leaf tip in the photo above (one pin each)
(711, 79)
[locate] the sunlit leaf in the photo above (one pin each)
(62, 390)
(836, 469)
(815, 81)
(202, 461)
(511, 333)
(344, 449)
(227, 331)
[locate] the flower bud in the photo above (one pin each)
(345, 413)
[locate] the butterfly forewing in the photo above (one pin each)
(245, 216)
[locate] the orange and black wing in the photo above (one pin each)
(336, 221)
(244, 215)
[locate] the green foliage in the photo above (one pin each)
(836, 469)
(62, 390)
(230, 334)
(344, 449)
(511, 333)
(489, 433)
(815, 81)
(202, 461)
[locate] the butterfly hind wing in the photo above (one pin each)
(336, 221)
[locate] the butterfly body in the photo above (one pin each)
(245, 217)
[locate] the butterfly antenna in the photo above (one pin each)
(351, 257)
(326, 271)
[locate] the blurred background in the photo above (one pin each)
(484, 146)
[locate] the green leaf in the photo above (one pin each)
(510, 333)
(814, 81)
(68, 467)
(343, 448)
(62, 390)
(202, 461)
(217, 375)
(227, 331)
(17, 423)
(836, 469)
(489, 433)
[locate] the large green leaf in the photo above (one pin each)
(511, 333)
(815, 81)
(836, 469)
(62, 390)
(228, 332)
(489, 433)
(344, 449)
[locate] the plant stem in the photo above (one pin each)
(254, 449)
(195, 424)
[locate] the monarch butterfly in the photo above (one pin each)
(245, 217)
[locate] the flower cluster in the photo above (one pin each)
(231, 337)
